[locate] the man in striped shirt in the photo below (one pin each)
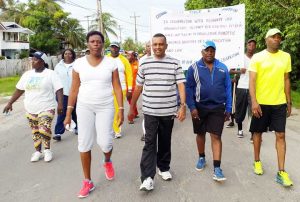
(158, 78)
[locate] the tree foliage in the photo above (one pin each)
(261, 15)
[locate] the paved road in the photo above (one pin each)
(60, 180)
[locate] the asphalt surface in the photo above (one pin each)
(60, 180)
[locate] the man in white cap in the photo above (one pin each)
(208, 89)
(271, 99)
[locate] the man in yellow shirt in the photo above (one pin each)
(271, 100)
(125, 75)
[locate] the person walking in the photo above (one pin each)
(94, 78)
(40, 85)
(209, 100)
(134, 63)
(158, 77)
(64, 70)
(271, 100)
(125, 75)
(243, 101)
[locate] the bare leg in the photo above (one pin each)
(86, 164)
(107, 156)
(281, 149)
(200, 140)
(257, 145)
(216, 145)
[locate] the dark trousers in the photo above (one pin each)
(243, 102)
(157, 149)
(59, 126)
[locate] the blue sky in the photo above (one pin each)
(121, 11)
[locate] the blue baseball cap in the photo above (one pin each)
(208, 44)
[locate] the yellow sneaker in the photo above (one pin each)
(284, 179)
(257, 166)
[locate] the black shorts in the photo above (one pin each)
(273, 116)
(211, 121)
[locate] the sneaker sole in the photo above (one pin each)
(219, 179)
(109, 179)
(199, 169)
(80, 196)
(285, 185)
(145, 189)
(240, 136)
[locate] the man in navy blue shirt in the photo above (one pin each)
(209, 98)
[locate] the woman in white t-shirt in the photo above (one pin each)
(41, 85)
(94, 78)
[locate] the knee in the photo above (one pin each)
(280, 136)
(106, 146)
(215, 138)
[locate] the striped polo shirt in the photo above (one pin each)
(159, 78)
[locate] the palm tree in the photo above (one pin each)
(109, 24)
(74, 34)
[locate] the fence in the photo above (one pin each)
(12, 67)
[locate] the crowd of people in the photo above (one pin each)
(89, 93)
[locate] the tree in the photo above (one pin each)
(109, 24)
(261, 15)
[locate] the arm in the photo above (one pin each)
(228, 103)
(119, 95)
(256, 110)
(136, 94)
(14, 98)
(182, 109)
(190, 90)
(287, 91)
(60, 98)
(72, 96)
(128, 78)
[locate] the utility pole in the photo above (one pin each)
(120, 36)
(135, 30)
(99, 14)
(88, 22)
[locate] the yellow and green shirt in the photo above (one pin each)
(270, 69)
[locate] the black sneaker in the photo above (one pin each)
(57, 138)
(230, 125)
(143, 138)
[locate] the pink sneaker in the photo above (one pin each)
(87, 187)
(109, 170)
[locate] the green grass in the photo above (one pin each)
(296, 99)
(8, 85)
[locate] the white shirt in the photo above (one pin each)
(244, 78)
(40, 90)
(96, 82)
(64, 72)
(121, 70)
(142, 59)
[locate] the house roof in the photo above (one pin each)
(14, 27)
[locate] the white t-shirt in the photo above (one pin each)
(142, 59)
(40, 90)
(96, 82)
(244, 78)
(121, 69)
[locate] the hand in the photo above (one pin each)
(195, 114)
(60, 109)
(256, 110)
(130, 113)
(227, 116)
(120, 117)
(289, 110)
(129, 95)
(7, 108)
(243, 70)
(67, 121)
(181, 113)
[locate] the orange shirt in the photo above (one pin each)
(134, 68)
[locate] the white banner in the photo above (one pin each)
(187, 30)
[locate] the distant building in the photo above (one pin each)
(13, 39)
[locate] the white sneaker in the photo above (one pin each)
(165, 175)
(240, 134)
(48, 155)
(36, 156)
(147, 185)
(118, 135)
